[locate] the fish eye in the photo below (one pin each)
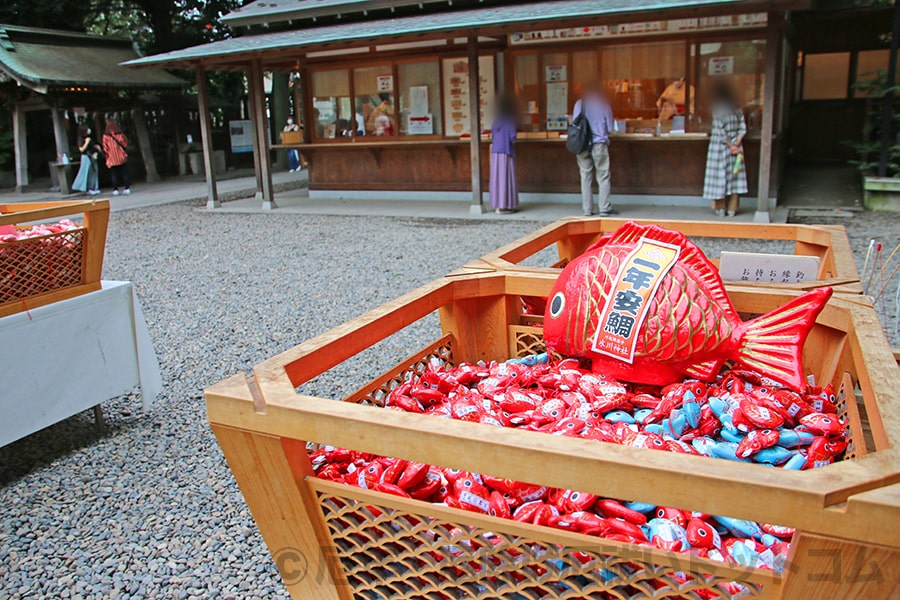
(557, 304)
(702, 532)
(660, 513)
(467, 483)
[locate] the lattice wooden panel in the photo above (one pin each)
(849, 411)
(38, 265)
(376, 392)
(526, 340)
(389, 553)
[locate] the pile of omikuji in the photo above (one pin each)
(742, 416)
(10, 233)
(42, 261)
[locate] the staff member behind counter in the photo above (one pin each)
(673, 99)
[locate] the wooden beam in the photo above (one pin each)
(20, 141)
(143, 139)
(59, 131)
(212, 195)
(477, 206)
(261, 131)
(768, 118)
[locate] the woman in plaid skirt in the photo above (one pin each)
(726, 177)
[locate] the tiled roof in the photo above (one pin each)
(44, 58)
(471, 19)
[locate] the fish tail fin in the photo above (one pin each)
(773, 343)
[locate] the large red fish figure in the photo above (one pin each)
(645, 305)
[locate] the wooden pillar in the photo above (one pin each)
(280, 112)
(59, 130)
(773, 39)
(477, 207)
(251, 109)
(20, 141)
(261, 131)
(212, 195)
(143, 140)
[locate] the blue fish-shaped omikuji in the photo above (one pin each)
(793, 438)
(641, 507)
(744, 555)
(534, 359)
(774, 455)
(656, 428)
(719, 407)
(641, 414)
(725, 420)
(619, 416)
(675, 424)
(691, 412)
(703, 445)
(740, 527)
(727, 450)
(732, 436)
(795, 463)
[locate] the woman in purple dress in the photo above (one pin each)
(504, 191)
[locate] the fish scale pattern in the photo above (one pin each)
(680, 302)
(391, 553)
(33, 266)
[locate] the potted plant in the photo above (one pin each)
(879, 193)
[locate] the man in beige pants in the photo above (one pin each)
(594, 162)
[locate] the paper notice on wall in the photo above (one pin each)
(385, 83)
(456, 94)
(555, 73)
(557, 98)
(418, 99)
(721, 65)
(777, 268)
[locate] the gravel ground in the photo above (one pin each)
(149, 508)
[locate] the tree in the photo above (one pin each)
(51, 14)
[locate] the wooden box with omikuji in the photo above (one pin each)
(41, 264)
(358, 536)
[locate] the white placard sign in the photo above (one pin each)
(241, 133)
(772, 268)
(418, 99)
(721, 65)
(420, 125)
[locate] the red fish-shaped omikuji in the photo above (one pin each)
(665, 301)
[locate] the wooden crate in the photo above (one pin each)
(339, 542)
(39, 271)
(573, 235)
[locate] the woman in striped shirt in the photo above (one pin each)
(114, 144)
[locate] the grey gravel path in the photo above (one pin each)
(149, 509)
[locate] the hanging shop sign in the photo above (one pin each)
(619, 30)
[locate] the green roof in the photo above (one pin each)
(41, 59)
(526, 15)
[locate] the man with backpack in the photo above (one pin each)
(593, 115)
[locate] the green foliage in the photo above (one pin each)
(50, 14)
(875, 89)
(162, 25)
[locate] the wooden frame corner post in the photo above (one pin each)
(212, 194)
(477, 206)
